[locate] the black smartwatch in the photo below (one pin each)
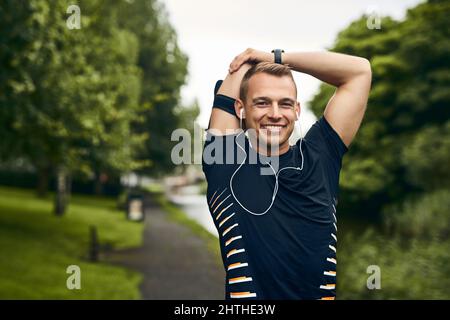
(277, 55)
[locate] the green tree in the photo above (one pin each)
(164, 69)
(68, 96)
(426, 158)
(397, 167)
(411, 77)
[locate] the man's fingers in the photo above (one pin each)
(235, 64)
(248, 55)
(238, 61)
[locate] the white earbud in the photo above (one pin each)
(241, 115)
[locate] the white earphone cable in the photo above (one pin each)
(275, 190)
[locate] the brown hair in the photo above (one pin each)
(274, 69)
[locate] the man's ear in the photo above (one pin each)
(239, 108)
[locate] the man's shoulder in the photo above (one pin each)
(222, 152)
(323, 137)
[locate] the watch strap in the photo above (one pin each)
(277, 55)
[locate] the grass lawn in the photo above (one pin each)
(37, 247)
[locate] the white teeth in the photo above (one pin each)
(273, 128)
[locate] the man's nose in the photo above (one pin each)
(275, 111)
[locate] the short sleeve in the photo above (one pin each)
(323, 134)
(330, 147)
(220, 154)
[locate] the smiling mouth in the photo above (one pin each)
(273, 128)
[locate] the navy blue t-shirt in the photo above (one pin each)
(290, 251)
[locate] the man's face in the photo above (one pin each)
(271, 109)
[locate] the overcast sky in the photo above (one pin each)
(213, 32)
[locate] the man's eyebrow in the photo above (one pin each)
(261, 98)
(268, 99)
(288, 99)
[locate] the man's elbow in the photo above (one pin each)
(365, 67)
(363, 74)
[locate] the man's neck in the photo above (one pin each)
(269, 151)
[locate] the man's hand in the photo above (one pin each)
(252, 56)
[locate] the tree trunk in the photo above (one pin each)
(69, 188)
(43, 181)
(61, 191)
(98, 184)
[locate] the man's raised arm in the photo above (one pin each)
(220, 120)
(351, 75)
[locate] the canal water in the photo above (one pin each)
(194, 205)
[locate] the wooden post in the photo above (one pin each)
(93, 244)
(61, 191)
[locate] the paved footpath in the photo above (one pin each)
(175, 262)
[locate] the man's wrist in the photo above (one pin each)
(265, 56)
(278, 56)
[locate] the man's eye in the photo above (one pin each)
(262, 103)
(287, 105)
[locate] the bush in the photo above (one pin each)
(426, 217)
(417, 270)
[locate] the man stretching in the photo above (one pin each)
(278, 232)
